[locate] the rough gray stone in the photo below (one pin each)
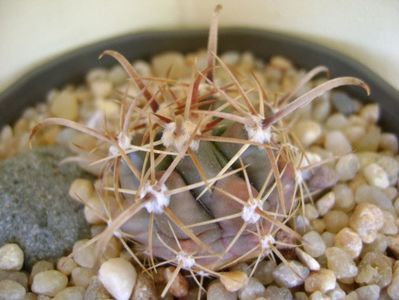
(35, 209)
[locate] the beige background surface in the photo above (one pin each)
(34, 31)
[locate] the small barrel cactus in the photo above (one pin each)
(205, 174)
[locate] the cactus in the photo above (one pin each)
(203, 175)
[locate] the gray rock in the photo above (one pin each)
(35, 209)
(344, 103)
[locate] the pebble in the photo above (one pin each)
(280, 62)
(230, 57)
(216, 291)
(336, 294)
(323, 281)
(119, 277)
(171, 64)
(11, 290)
(368, 292)
(389, 142)
(83, 254)
(49, 283)
(321, 108)
(337, 143)
(390, 227)
(341, 263)
(101, 88)
(11, 257)
(370, 112)
(65, 265)
(347, 166)
(264, 271)
(375, 268)
(82, 276)
(367, 219)
(71, 293)
(336, 121)
(285, 276)
(325, 203)
(390, 166)
(374, 195)
(40, 266)
(376, 176)
(344, 103)
(142, 67)
(311, 212)
(65, 105)
(81, 189)
(179, 287)
(307, 260)
(350, 241)
(393, 288)
(369, 141)
(96, 290)
(313, 244)
(144, 288)
(335, 220)
(344, 198)
(252, 290)
(20, 277)
(276, 293)
(307, 131)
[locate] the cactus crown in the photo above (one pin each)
(203, 174)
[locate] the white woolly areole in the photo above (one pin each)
(187, 261)
(249, 213)
(170, 138)
(159, 199)
(266, 241)
(123, 142)
(257, 133)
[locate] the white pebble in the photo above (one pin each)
(49, 283)
(337, 121)
(376, 176)
(337, 143)
(347, 167)
(11, 257)
(335, 220)
(216, 291)
(368, 292)
(389, 142)
(325, 203)
(344, 198)
(349, 241)
(370, 112)
(313, 244)
(264, 271)
(307, 260)
(83, 253)
(252, 290)
(367, 220)
(323, 281)
(341, 263)
(307, 132)
(71, 293)
(11, 290)
(393, 288)
(290, 275)
(119, 277)
(65, 105)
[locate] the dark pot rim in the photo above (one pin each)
(71, 67)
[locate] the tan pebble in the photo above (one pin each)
(144, 288)
(233, 281)
(40, 266)
(336, 121)
(323, 281)
(43, 297)
(347, 166)
(171, 64)
(393, 244)
(66, 264)
(252, 290)
(179, 287)
(119, 277)
(335, 220)
(307, 132)
(307, 260)
(96, 74)
(370, 112)
(311, 212)
(84, 253)
(313, 244)
(49, 283)
(11, 257)
(375, 268)
(318, 296)
(341, 263)
(117, 75)
(101, 88)
(274, 292)
(393, 288)
(367, 220)
(82, 276)
(369, 141)
(376, 176)
(319, 225)
(354, 132)
(71, 293)
(30, 296)
(81, 189)
(300, 296)
(280, 62)
(65, 105)
(350, 241)
(328, 238)
(113, 249)
(11, 290)
(325, 203)
(390, 227)
(321, 108)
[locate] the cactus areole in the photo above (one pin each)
(205, 173)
